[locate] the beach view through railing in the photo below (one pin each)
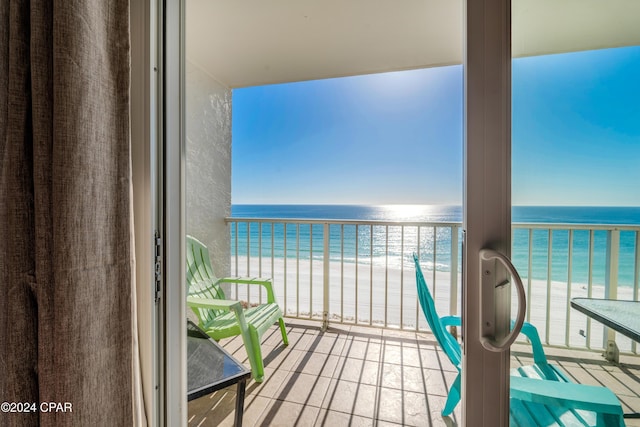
(368, 275)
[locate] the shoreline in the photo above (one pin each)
(579, 271)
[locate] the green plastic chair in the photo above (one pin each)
(221, 318)
(540, 394)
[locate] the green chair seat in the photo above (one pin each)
(261, 317)
(221, 318)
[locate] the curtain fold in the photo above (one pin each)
(67, 307)
(18, 310)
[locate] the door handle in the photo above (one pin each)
(487, 312)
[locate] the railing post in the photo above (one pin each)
(611, 291)
(453, 281)
(325, 279)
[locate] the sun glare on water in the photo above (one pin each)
(421, 213)
(408, 212)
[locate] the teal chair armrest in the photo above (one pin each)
(568, 395)
(528, 330)
(453, 347)
(271, 298)
(451, 321)
(531, 333)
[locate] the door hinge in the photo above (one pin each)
(158, 265)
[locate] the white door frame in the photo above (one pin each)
(175, 330)
(487, 204)
(146, 172)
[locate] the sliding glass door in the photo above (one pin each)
(487, 210)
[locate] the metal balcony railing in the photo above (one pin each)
(361, 272)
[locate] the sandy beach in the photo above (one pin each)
(387, 296)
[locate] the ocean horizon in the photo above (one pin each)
(605, 215)
(393, 245)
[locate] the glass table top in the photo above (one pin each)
(623, 316)
(209, 366)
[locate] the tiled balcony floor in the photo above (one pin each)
(358, 376)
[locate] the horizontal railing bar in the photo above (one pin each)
(519, 225)
(343, 221)
(557, 226)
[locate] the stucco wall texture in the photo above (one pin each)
(208, 169)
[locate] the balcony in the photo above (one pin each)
(354, 375)
(360, 351)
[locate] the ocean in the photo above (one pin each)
(393, 245)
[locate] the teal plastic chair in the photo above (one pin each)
(221, 318)
(541, 394)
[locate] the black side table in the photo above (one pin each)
(211, 368)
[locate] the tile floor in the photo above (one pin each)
(359, 376)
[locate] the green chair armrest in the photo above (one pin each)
(568, 395)
(223, 304)
(249, 280)
(211, 303)
(271, 298)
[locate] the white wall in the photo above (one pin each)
(208, 173)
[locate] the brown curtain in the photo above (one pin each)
(66, 256)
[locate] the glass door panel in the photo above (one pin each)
(575, 165)
(575, 151)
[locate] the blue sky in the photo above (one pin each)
(396, 138)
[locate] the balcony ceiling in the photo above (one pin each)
(256, 42)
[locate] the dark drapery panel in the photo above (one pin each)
(66, 263)
(18, 311)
